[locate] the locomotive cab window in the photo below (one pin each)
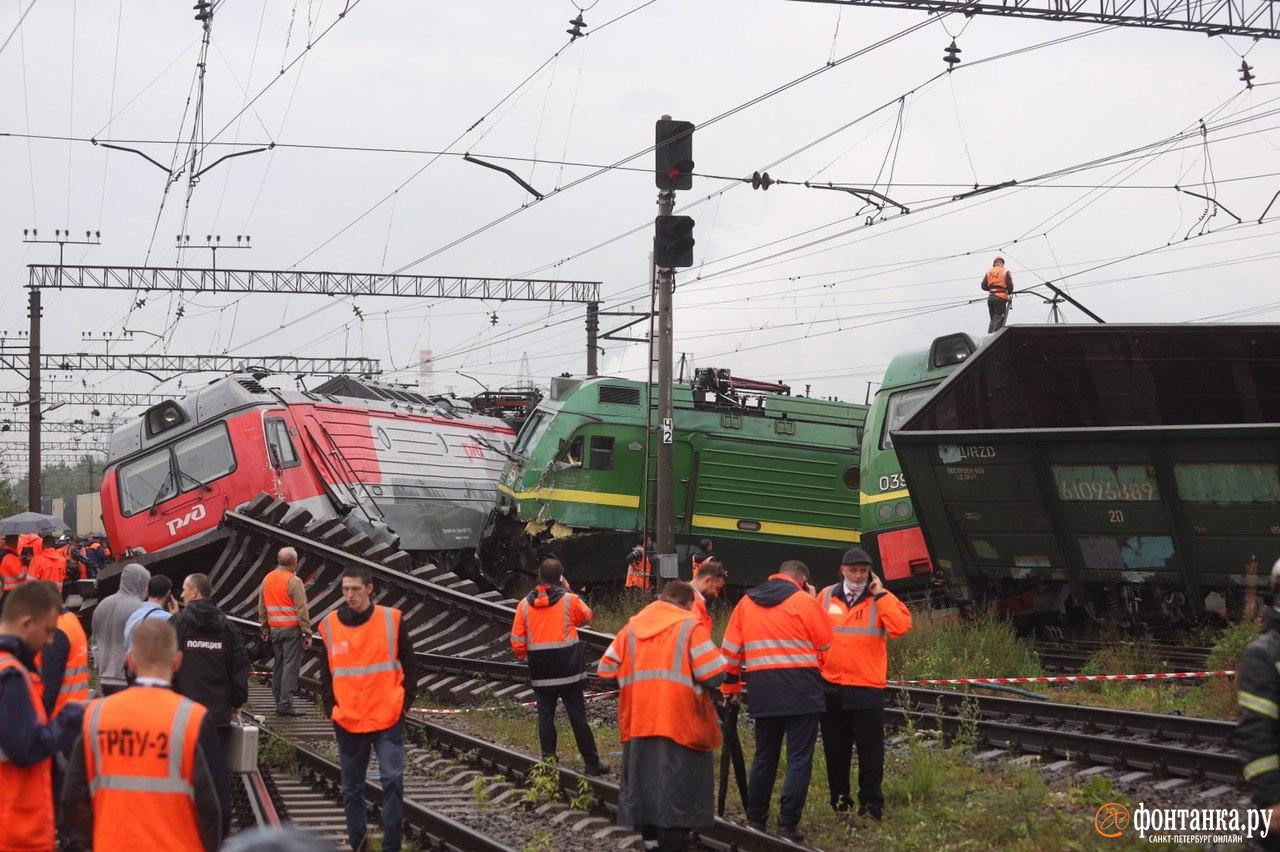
(279, 445)
(204, 457)
(601, 453)
(145, 481)
(572, 451)
(901, 406)
(533, 429)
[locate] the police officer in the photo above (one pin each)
(139, 775)
(863, 616)
(1258, 723)
(369, 680)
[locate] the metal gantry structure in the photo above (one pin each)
(289, 282)
(84, 427)
(1255, 18)
(94, 398)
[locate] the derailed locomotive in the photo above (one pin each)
(1122, 472)
(415, 471)
(766, 475)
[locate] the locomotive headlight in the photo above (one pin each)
(885, 512)
(902, 509)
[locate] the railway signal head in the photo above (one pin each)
(673, 242)
(673, 154)
(951, 55)
(1246, 74)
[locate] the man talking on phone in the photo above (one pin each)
(864, 615)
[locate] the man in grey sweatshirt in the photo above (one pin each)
(109, 618)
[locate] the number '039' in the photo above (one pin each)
(892, 481)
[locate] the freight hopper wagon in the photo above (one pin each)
(1123, 472)
(765, 475)
(416, 472)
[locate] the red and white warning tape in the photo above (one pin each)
(962, 681)
(450, 711)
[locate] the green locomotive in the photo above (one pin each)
(766, 475)
(890, 530)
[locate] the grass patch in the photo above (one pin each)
(945, 646)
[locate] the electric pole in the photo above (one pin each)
(63, 238)
(672, 248)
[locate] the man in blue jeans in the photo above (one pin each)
(369, 685)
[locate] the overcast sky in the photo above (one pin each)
(792, 283)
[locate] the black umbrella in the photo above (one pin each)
(24, 523)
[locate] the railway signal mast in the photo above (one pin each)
(672, 249)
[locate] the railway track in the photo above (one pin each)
(460, 636)
(1071, 656)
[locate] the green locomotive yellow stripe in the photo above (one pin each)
(778, 528)
(888, 495)
(569, 495)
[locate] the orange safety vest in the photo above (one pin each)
(75, 681)
(281, 611)
(26, 792)
(368, 682)
(859, 647)
(658, 660)
(700, 609)
(998, 282)
(791, 635)
(49, 564)
(638, 578)
(140, 761)
(549, 631)
(12, 572)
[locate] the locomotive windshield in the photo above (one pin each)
(901, 406)
(532, 430)
(190, 463)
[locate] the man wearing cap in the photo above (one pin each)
(863, 616)
(998, 282)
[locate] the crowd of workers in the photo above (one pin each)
(812, 660)
(57, 559)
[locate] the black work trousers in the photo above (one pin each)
(575, 707)
(842, 730)
(800, 733)
(664, 839)
(999, 310)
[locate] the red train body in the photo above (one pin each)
(388, 461)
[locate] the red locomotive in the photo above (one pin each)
(388, 461)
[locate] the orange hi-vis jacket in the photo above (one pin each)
(998, 282)
(368, 682)
(777, 636)
(700, 610)
(281, 611)
(12, 572)
(638, 575)
(662, 660)
(140, 762)
(49, 564)
(859, 649)
(75, 678)
(26, 792)
(545, 632)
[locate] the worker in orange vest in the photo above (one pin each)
(369, 684)
(705, 551)
(777, 636)
(666, 665)
(285, 619)
(139, 774)
(28, 740)
(50, 563)
(864, 616)
(998, 282)
(13, 571)
(64, 664)
(545, 632)
(709, 578)
(638, 569)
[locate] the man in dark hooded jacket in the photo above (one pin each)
(777, 636)
(214, 672)
(1258, 723)
(545, 632)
